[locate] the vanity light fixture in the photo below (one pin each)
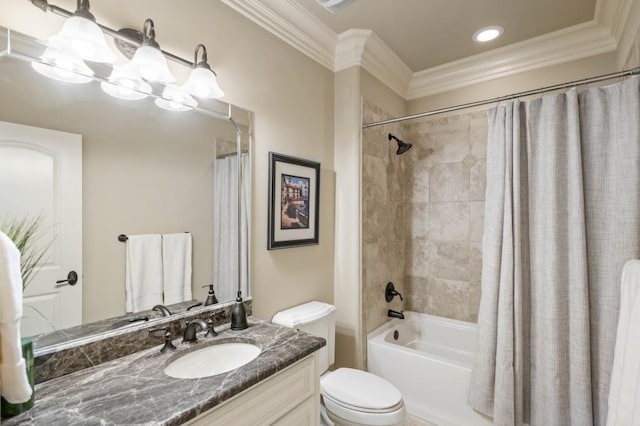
(149, 60)
(80, 35)
(203, 82)
(486, 34)
(174, 98)
(63, 67)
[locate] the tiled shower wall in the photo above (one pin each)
(383, 217)
(446, 174)
(423, 215)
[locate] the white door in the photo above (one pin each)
(41, 175)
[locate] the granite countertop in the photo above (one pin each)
(134, 390)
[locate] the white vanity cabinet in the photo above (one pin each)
(289, 397)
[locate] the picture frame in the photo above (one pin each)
(294, 202)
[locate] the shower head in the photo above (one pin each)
(402, 146)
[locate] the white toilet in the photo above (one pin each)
(349, 397)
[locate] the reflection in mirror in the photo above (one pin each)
(227, 269)
(94, 167)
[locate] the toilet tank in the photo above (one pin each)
(316, 318)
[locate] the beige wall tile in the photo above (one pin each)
(419, 256)
(449, 182)
(450, 299)
(478, 180)
(417, 291)
(476, 220)
(479, 129)
(417, 220)
(450, 260)
(419, 177)
(475, 262)
(449, 221)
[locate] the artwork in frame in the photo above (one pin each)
(294, 200)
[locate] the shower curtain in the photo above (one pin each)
(562, 216)
(225, 227)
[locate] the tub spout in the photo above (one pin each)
(395, 314)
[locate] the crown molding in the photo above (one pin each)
(364, 48)
(350, 48)
(611, 29)
(292, 24)
(569, 44)
(613, 14)
(628, 33)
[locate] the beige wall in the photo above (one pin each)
(291, 95)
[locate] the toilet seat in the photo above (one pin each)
(362, 398)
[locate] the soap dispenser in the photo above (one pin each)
(238, 314)
(211, 296)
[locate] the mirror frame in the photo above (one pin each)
(23, 47)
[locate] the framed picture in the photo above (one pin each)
(294, 199)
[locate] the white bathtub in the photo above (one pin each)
(430, 363)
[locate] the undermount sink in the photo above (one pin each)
(212, 360)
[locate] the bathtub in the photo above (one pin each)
(429, 360)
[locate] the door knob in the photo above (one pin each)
(72, 279)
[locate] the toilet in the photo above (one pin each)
(350, 397)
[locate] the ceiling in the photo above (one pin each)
(426, 33)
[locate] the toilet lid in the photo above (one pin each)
(360, 389)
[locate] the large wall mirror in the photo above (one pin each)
(94, 167)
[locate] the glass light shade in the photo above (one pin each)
(62, 67)
(203, 83)
(151, 65)
(174, 98)
(125, 84)
(83, 38)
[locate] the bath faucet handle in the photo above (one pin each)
(390, 292)
(211, 332)
(168, 344)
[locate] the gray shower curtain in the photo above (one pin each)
(562, 217)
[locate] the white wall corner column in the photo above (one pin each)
(347, 272)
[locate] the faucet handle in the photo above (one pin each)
(211, 332)
(390, 292)
(168, 344)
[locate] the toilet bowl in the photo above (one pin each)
(350, 397)
(354, 398)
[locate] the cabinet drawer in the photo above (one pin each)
(269, 400)
(305, 414)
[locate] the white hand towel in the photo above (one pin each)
(14, 384)
(143, 272)
(624, 395)
(176, 263)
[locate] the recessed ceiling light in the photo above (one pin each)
(488, 33)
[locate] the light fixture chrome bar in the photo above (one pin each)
(45, 6)
(625, 73)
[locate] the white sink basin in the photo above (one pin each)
(212, 360)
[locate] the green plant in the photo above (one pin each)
(25, 234)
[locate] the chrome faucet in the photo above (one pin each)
(395, 314)
(190, 330)
(162, 309)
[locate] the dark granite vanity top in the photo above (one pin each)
(133, 390)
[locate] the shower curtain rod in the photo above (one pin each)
(629, 72)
